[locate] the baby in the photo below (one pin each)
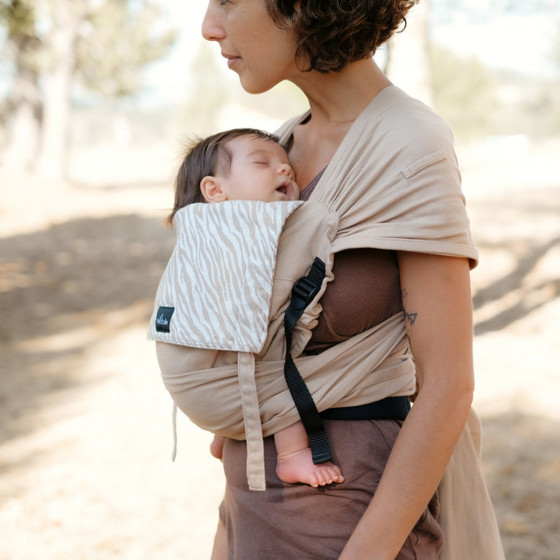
(249, 164)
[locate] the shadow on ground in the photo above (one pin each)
(522, 465)
(63, 289)
(528, 257)
(525, 226)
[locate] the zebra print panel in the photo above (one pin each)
(216, 289)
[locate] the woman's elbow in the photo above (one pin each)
(454, 394)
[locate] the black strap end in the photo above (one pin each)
(320, 449)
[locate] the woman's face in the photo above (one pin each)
(262, 54)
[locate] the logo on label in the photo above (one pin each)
(163, 319)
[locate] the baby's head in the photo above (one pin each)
(238, 164)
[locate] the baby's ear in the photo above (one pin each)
(211, 189)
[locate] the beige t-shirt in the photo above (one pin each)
(394, 181)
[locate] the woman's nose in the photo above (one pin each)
(212, 30)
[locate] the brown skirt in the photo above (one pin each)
(295, 521)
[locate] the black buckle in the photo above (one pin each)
(303, 292)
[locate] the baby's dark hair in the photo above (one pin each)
(207, 156)
(334, 33)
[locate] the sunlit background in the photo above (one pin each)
(97, 101)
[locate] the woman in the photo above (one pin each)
(387, 508)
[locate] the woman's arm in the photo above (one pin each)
(438, 312)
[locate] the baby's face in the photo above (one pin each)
(260, 170)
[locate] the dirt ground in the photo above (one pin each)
(85, 423)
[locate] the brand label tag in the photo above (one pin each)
(163, 319)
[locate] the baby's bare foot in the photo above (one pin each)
(299, 467)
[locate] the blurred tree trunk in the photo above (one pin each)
(23, 124)
(408, 65)
(23, 105)
(102, 44)
(56, 97)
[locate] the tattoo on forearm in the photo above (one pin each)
(408, 317)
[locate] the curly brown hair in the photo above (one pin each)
(334, 33)
(207, 156)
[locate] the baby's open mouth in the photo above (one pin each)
(282, 189)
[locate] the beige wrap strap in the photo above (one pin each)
(252, 421)
(371, 366)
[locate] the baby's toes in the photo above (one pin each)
(324, 480)
(315, 481)
(335, 475)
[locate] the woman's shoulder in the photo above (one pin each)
(405, 121)
(402, 130)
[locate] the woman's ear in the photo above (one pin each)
(211, 189)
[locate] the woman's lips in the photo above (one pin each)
(231, 59)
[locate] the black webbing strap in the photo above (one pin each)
(303, 292)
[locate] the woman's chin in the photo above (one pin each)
(255, 87)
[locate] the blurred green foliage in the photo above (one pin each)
(477, 101)
(113, 40)
(115, 45)
(50, 47)
(464, 92)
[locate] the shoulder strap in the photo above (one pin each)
(303, 292)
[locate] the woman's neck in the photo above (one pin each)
(340, 97)
(336, 100)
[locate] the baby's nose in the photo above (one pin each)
(285, 169)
